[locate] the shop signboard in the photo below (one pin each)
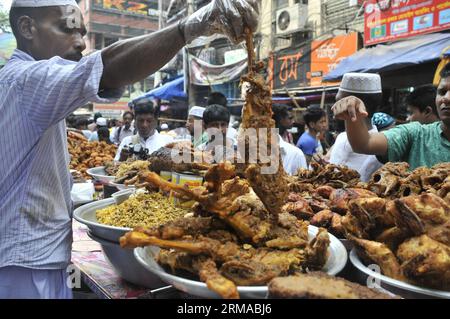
(326, 55)
(291, 68)
(390, 20)
(149, 7)
(113, 110)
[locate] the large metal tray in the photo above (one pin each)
(99, 174)
(397, 287)
(126, 265)
(86, 215)
(146, 256)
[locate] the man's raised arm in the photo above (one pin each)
(132, 60)
(353, 112)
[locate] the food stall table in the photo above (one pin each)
(97, 273)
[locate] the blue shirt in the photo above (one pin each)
(308, 144)
(35, 204)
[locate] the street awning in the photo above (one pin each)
(397, 55)
(170, 90)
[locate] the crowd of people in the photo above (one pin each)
(140, 126)
(203, 124)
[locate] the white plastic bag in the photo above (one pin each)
(228, 17)
(82, 193)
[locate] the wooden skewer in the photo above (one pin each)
(250, 49)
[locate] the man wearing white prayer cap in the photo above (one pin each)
(417, 144)
(367, 87)
(194, 125)
(46, 79)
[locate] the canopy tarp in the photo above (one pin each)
(397, 55)
(170, 90)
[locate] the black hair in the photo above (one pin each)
(143, 106)
(97, 115)
(217, 98)
(313, 115)
(280, 111)
(112, 122)
(422, 97)
(103, 132)
(81, 122)
(71, 120)
(216, 113)
(445, 72)
(128, 113)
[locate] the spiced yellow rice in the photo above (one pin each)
(141, 209)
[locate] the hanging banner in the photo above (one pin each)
(390, 20)
(292, 68)
(326, 55)
(205, 74)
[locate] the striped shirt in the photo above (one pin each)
(35, 204)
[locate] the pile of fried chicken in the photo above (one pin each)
(189, 160)
(394, 180)
(85, 155)
(249, 227)
(399, 220)
(409, 236)
(323, 195)
(239, 235)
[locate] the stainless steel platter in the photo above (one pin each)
(86, 215)
(146, 256)
(99, 174)
(397, 287)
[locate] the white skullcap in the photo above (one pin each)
(101, 121)
(368, 83)
(196, 111)
(42, 3)
(164, 126)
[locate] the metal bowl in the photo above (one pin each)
(146, 256)
(99, 174)
(121, 187)
(126, 265)
(397, 287)
(86, 215)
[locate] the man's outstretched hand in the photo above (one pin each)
(349, 109)
(228, 17)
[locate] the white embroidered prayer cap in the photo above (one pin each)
(41, 3)
(196, 111)
(368, 83)
(101, 121)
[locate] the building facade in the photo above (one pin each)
(109, 21)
